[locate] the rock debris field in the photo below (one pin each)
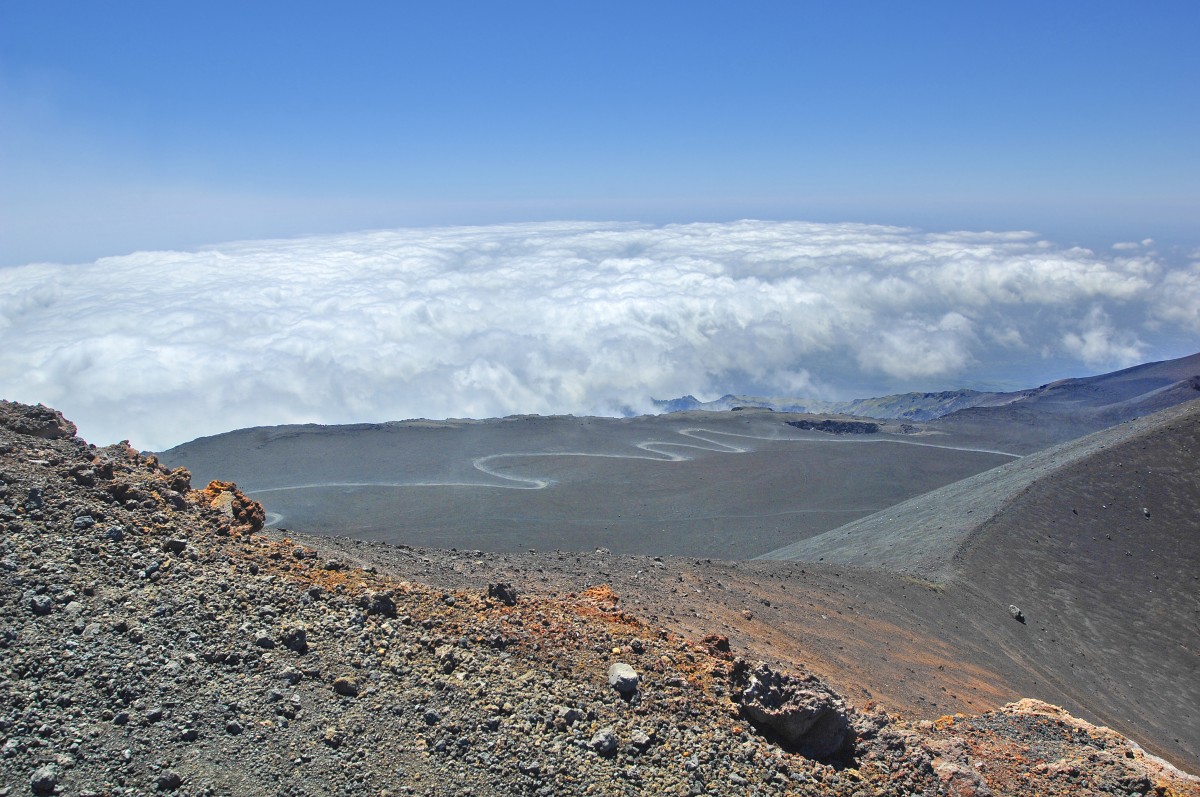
(154, 640)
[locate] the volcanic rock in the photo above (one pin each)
(623, 678)
(804, 715)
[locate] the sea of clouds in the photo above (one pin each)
(162, 347)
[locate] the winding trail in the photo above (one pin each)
(657, 451)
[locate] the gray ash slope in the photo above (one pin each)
(727, 485)
(923, 535)
(155, 642)
(1097, 541)
(731, 485)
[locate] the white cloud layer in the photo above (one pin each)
(163, 347)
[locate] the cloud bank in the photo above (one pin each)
(162, 347)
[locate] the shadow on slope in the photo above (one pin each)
(1097, 542)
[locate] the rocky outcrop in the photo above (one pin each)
(803, 714)
(243, 514)
(837, 427)
(35, 421)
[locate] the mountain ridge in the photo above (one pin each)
(1127, 383)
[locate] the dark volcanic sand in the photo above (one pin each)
(1112, 637)
(749, 484)
(1110, 595)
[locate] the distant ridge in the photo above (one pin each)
(1030, 419)
(899, 406)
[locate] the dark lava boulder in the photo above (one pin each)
(39, 421)
(801, 714)
(837, 427)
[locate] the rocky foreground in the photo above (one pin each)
(153, 639)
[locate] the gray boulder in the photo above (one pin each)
(604, 742)
(44, 780)
(623, 678)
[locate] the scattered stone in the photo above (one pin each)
(604, 742)
(44, 779)
(169, 781)
(717, 643)
(175, 546)
(566, 716)
(41, 604)
(114, 533)
(295, 639)
(346, 685)
(33, 499)
(801, 713)
(84, 522)
(623, 678)
(959, 780)
(1016, 613)
(502, 592)
(379, 603)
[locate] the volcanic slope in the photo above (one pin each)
(1066, 408)
(921, 647)
(1097, 542)
(729, 485)
(155, 641)
(1029, 420)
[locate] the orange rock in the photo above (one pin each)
(247, 515)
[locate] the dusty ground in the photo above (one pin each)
(723, 485)
(1109, 595)
(154, 642)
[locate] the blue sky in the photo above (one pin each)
(229, 214)
(127, 126)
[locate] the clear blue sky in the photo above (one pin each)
(130, 125)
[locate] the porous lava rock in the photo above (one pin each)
(35, 421)
(245, 515)
(802, 713)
